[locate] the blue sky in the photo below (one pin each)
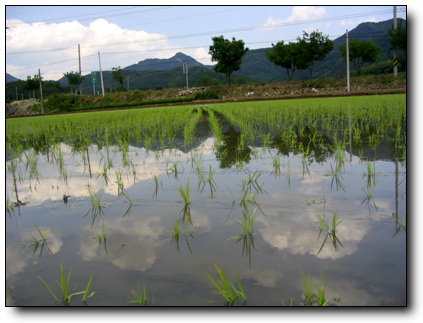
(47, 37)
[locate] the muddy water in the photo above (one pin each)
(365, 265)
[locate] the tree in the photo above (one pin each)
(31, 84)
(228, 55)
(315, 47)
(117, 75)
(360, 52)
(286, 56)
(398, 38)
(74, 78)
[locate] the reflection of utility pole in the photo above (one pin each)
(89, 163)
(396, 187)
(395, 59)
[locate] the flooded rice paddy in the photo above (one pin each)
(273, 194)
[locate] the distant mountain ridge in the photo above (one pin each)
(158, 64)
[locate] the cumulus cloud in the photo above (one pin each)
(299, 13)
(54, 47)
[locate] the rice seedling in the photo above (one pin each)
(141, 300)
(368, 198)
(399, 225)
(156, 185)
(245, 197)
(308, 298)
(101, 236)
(210, 180)
(337, 177)
(276, 165)
(9, 206)
(95, 198)
(329, 232)
(319, 297)
(247, 224)
(227, 289)
(64, 286)
(184, 193)
(370, 174)
(119, 181)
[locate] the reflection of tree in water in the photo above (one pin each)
(231, 151)
(293, 140)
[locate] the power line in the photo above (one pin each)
(242, 29)
(361, 35)
(100, 14)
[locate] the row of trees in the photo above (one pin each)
(303, 54)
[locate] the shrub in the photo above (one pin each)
(59, 101)
(211, 94)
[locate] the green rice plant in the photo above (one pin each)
(184, 193)
(247, 198)
(141, 300)
(247, 224)
(64, 286)
(251, 181)
(308, 298)
(399, 225)
(370, 174)
(119, 181)
(337, 177)
(276, 165)
(210, 180)
(177, 233)
(101, 236)
(95, 198)
(368, 198)
(320, 295)
(9, 206)
(329, 232)
(227, 289)
(156, 185)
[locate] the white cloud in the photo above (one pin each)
(39, 45)
(298, 13)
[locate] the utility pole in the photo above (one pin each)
(348, 63)
(41, 93)
(395, 59)
(101, 75)
(79, 59)
(127, 79)
(185, 71)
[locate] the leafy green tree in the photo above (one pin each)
(74, 78)
(360, 52)
(315, 47)
(286, 56)
(398, 38)
(117, 75)
(31, 84)
(228, 55)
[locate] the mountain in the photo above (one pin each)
(167, 73)
(10, 78)
(157, 64)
